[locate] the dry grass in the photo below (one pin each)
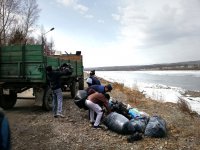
(184, 106)
(182, 123)
(133, 96)
(197, 131)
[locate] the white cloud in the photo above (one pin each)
(67, 2)
(81, 8)
(89, 16)
(74, 4)
(160, 22)
(152, 31)
(116, 17)
(100, 21)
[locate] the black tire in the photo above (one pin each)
(47, 99)
(8, 101)
(73, 88)
(81, 84)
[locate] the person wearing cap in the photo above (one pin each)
(92, 79)
(95, 102)
(53, 78)
(99, 88)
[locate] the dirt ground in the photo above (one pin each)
(34, 129)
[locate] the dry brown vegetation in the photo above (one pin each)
(32, 128)
(183, 124)
(184, 106)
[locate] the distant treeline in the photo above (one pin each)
(190, 65)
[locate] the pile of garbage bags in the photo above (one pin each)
(125, 119)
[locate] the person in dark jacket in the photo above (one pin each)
(99, 88)
(92, 79)
(94, 103)
(55, 84)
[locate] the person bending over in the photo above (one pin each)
(95, 102)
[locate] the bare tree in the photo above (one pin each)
(17, 37)
(8, 11)
(17, 15)
(51, 47)
(51, 44)
(48, 46)
(30, 14)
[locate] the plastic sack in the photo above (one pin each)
(156, 127)
(116, 122)
(144, 115)
(136, 125)
(120, 108)
(134, 113)
(80, 98)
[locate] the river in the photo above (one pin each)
(188, 80)
(159, 85)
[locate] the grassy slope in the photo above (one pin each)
(183, 125)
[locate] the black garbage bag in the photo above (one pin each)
(80, 99)
(115, 122)
(156, 127)
(136, 125)
(134, 137)
(120, 108)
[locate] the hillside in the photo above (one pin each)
(32, 128)
(189, 65)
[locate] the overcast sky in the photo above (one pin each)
(124, 32)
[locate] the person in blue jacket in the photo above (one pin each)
(99, 88)
(92, 79)
(5, 138)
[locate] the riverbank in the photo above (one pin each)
(32, 128)
(163, 86)
(182, 123)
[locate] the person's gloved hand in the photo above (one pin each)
(68, 71)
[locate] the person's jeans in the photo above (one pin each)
(57, 101)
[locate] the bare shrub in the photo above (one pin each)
(184, 106)
(119, 86)
(124, 93)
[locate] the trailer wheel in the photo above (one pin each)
(73, 88)
(81, 84)
(47, 99)
(8, 101)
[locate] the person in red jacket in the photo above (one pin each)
(95, 102)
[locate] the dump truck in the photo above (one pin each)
(23, 67)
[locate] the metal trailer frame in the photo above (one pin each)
(23, 67)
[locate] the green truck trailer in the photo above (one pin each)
(23, 67)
